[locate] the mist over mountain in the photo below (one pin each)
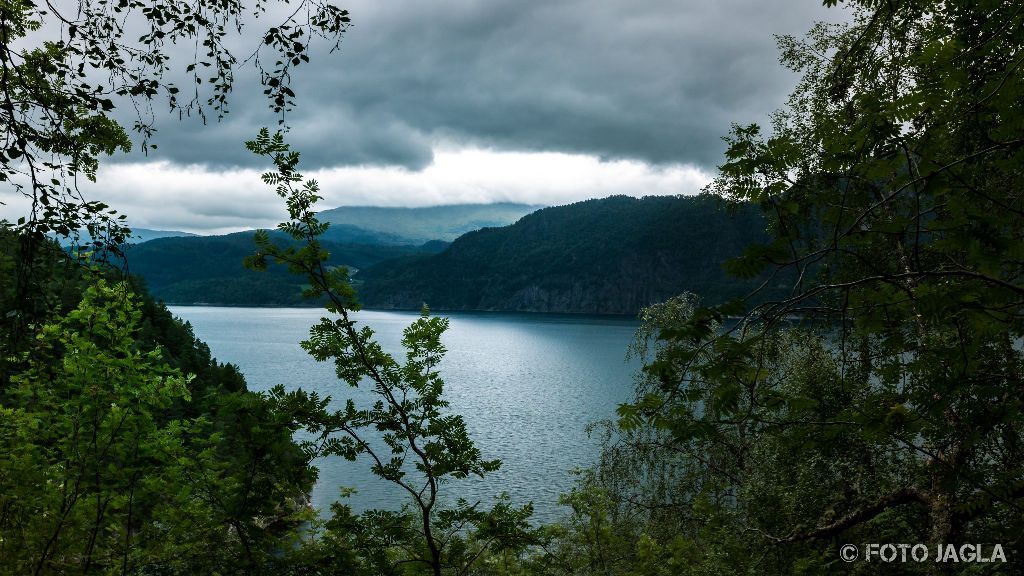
(138, 236)
(419, 225)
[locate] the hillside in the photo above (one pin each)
(138, 236)
(351, 234)
(209, 270)
(419, 225)
(609, 256)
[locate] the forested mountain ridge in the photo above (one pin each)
(609, 256)
(209, 269)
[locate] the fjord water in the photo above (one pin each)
(527, 385)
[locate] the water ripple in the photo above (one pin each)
(527, 386)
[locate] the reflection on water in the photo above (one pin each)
(526, 384)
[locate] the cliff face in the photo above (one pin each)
(610, 256)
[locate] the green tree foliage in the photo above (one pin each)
(903, 163)
(70, 73)
(76, 450)
(114, 462)
(57, 96)
(892, 413)
(406, 432)
(705, 477)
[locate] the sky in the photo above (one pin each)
(465, 101)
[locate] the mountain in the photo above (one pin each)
(209, 270)
(351, 234)
(140, 235)
(609, 256)
(419, 225)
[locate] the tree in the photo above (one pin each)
(65, 71)
(88, 406)
(406, 433)
(56, 98)
(683, 488)
(110, 464)
(125, 449)
(893, 180)
(87, 457)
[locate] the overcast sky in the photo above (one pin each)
(451, 101)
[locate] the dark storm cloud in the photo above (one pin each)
(657, 81)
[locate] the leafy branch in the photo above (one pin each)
(407, 434)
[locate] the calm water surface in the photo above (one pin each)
(527, 386)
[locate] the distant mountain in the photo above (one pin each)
(609, 256)
(419, 225)
(138, 236)
(350, 234)
(209, 270)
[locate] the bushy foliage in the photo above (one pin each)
(115, 461)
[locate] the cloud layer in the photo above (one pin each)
(201, 199)
(657, 81)
(448, 101)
